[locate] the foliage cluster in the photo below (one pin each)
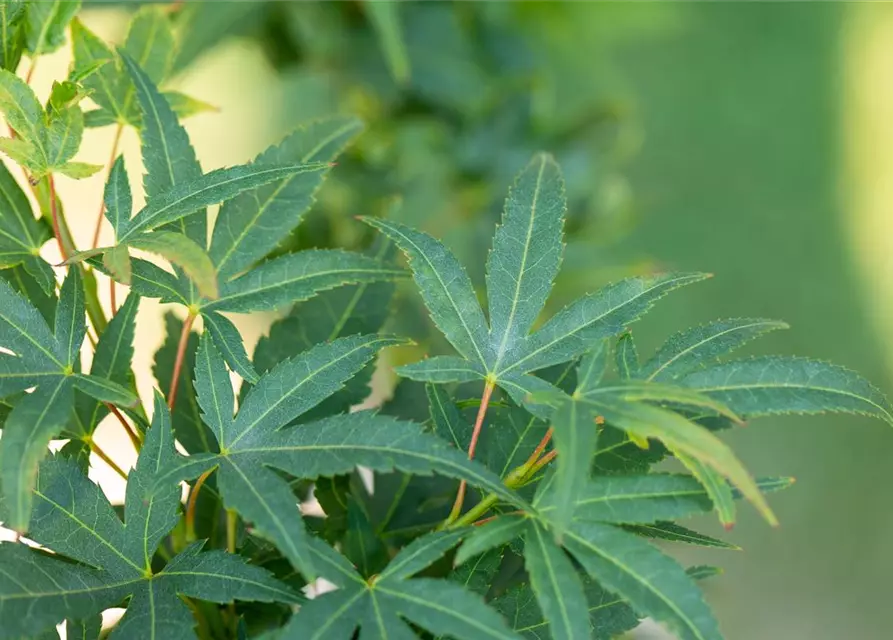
(507, 489)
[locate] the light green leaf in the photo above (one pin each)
(77, 170)
(253, 224)
(526, 255)
(45, 24)
(638, 391)
(36, 419)
(680, 434)
(442, 369)
(385, 19)
(183, 252)
(298, 276)
(652, 583)
(445, 288)
(186, 106)
(702, 346)
(770, 385)
(12, 36)
(558, 589)
(117, 262)
(572, 331)
(574, 434)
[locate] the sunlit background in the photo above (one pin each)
(754, 141)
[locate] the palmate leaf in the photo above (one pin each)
(151, 42)
(47, 361)
(520, 271)
(254, 439)
(46, 140)
(114, 560)
(381, 606)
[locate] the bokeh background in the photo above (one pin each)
(754, 141)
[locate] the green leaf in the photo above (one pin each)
(771, 385)
(118, 264)
(253, 224)
(609, 616)
(664, 394)
(526, 255)
(572, 331)
(45, 24)
(699, 347)
(298, 276)
(227, 339)
(674, 533)
(183, 252)
(211, 188)
(71, 319)
(186, 106)
(574, 435)
(12, 36)
(652, 583)
(442, 369)
(111, 361)
(445, 288)
(627, 357)
(385, 19)
(558, 589)
(680, 434)
(118, 199)
(73, 518)
(447, 424)
(592, 369)
(21, 236)
(24, 331)
(35, 420)
(379, 606)
(717, 488)
(493, 534)
(254, 440)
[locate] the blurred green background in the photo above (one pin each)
(751, 140)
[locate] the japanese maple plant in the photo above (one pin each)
(504, 490)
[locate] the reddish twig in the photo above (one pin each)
(475, 435)
(134, 437)
(108, 173)
(178, 363)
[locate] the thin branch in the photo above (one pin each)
(231, 521)
(105, 458)
(178, 363)
(133, 435)
(193, 500)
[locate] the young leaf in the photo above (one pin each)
(252, 224)
(526, 254)
(699, 347)
(574, 436)
(717, 488)
(183, 252)
(379, 606)
(73, 518)
(770, 385)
